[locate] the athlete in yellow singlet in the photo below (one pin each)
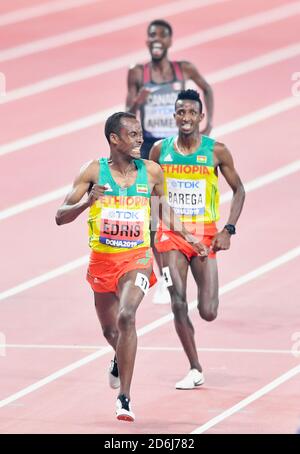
(190, 163)
(120, 271)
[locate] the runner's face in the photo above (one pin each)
(158, 42)
(187, 116)
(130, 138)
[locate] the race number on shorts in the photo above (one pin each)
(142, 282)
(167, 276)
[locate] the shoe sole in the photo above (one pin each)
(195, 385)
(126, 418)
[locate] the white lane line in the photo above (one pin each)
(263, 180)
(88, 72)
(45, 9)
(238, 26)
(257, 116)
(154, 349)
(248, 400)
(95, 119)
(70, 266)
(120, 23)
(60, 131)
(253, 64)
(57, 194)
(74, 76)
(60, 271)
(290, 255)
(269, 266)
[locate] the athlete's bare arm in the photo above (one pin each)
(224, 161)
(85, 182)
(136, 94)
(191, 72)
(166, 213)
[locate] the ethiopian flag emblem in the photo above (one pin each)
(142, 188)
(202, 159)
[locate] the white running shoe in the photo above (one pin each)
(113, 375)
(161, 295)
(123, 409)
(193, 379)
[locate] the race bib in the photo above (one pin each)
(159, 121)
(122, 228)
(167, 276)
(142, 282)
(186, 197)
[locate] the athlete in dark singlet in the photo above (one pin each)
(153, 87)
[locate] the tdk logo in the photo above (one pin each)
(185, 184)
(123, 215)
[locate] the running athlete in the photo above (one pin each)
(153, 87)
(120, 269)
(190, 163)
(152, 91)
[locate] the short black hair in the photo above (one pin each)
(113, 123)
(160, 23)
(192, 95)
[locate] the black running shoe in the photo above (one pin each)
(113, 374)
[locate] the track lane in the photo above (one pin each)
(98, 51)
(230, 377)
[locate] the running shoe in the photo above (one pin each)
(193, 379)
(161, 295)
(123, 409)
(113, 375)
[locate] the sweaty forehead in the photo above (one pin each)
(187, 104)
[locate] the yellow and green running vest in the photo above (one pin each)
(120, 222)
(190, 183)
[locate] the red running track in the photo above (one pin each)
(52, 325)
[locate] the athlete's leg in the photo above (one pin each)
(161, 294)
(205, 272)
(156, 254)
(107, 308)
(178, 267)
(130, 295)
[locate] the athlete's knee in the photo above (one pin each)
(179, 306)
(110, 333)
(126, 319)
(209, 314)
